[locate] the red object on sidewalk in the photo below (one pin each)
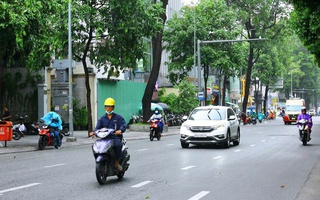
(5, 130)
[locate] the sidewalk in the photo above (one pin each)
(30, 142)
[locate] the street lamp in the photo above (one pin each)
(291, 94)
(70, 71)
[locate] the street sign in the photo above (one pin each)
(201, 96)
(63, 64)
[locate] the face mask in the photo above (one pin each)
(109, 113)
(156, 112)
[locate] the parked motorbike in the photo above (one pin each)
(104, 155)
(154, 130)
(47, 137)
(253, 120)
(19, 129)
(304, 131)
(260, 117)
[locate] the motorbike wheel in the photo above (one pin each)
(304, 139)
(158, 135)
(151, 135)
(16, 135)
(101, 172)
(42, 143)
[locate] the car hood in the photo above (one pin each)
(203, 122)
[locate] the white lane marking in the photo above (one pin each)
(141, 184)
(217, 157)
(18, 188)
(57, 165)
(263, 140)
(142, 149)
(169, 144)
(189, 167)
(252, 145)
(199, 195)
(238, 150)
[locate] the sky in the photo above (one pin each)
(185, 2)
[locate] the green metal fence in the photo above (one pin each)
(128, 96)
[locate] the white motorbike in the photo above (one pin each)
(19, 129)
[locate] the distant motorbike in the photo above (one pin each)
(303, 131)
(104, 155)
(253, 120)
(47, 137)
(260, 117)
(154, 130)
(19, 129)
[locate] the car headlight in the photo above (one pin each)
(185, 126)
(220, 127)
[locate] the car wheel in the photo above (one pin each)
(237, 141)
(227, 142)
(184, 145)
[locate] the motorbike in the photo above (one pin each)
(47, 137)
(154, 130)
(260, 117)
(253, 120)
(19, 129)
(104, 155)
(303, 131)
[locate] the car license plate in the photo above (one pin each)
(293, 118)
(200, 135)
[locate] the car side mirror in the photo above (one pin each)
(232, 117)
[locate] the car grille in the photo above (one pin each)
(201, 128)
(201, 139)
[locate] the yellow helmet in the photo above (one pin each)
(109, 102)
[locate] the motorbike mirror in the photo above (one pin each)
(184, 118)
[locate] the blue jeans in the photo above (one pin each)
(56, 135)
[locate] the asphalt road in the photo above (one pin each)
(269, 163)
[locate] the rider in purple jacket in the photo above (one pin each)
(306, 116)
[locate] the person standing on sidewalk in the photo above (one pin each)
(114, 121)
(6, 114)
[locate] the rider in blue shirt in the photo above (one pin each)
(116, 122)
(53, 120)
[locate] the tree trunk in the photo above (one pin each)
(248, 79)
(147, 96)
(87, 83)
(223, 100)
(265, 99)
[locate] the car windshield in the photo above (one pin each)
(293, 107)
(207, 114)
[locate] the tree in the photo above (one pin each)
(305, 20)
(186, 99)
(213, 17)
(157, 51)
(27, 34)
(257, 17)
(109, 33)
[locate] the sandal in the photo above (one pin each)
(119, 168)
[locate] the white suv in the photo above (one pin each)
(210, 125)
